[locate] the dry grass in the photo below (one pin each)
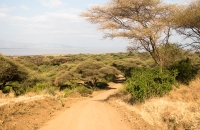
(180, 110)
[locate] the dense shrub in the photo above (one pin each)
(148, 83)
(35, 78)
(6, 89)
(125, 66)
(84, 91)
(42, 87)
(18, 88)
(93, 71)
(186, 71)
(10, 72)
(19, 91)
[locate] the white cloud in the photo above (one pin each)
(63, 25)
(4, 13)
(60, 23)
(59, 18)
(6, 9)
(24, 7)
(18, 19)
(52, 3)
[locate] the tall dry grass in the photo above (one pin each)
(180, 110)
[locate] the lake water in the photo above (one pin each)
(41, 51)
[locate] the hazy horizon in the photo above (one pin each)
(38, 51)
(52, 24)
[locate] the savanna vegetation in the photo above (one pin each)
(81, 73)
(85, 73)
(148, 25)
(152, 66)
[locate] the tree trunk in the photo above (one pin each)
(94, 82)
(160, 68)
(158, 60)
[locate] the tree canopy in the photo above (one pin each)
(187, 22)
(145, 23)
(93, 71)
(10, 71)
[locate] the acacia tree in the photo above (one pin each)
(187, 22)
(65, 76)
(145, 23)
(125, 66)
(10, 72)
(93, 71)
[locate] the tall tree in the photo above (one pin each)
(145, 23)
(187, 22)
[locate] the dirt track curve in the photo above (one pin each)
(90, 114)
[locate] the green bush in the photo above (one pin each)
(6, 89)
(40, 87)
(18, 88)
(148, 83)
(35, 78)
(84, 91)
(186, 71)
(67, 92)
(20, 91)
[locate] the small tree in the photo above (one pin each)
(93, 71)
(146, 23)
(125, 66)
(10, 72)
(66, 76)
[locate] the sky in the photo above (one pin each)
(52, 26)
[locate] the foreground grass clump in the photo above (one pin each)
(82, 90)
(42, 88)
(67, 92)
(179, 110)
(147, 83)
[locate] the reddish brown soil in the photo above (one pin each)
(31, 114)
(73, 113)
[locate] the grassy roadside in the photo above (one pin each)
(179, 110)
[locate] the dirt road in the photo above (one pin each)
(90, 114)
